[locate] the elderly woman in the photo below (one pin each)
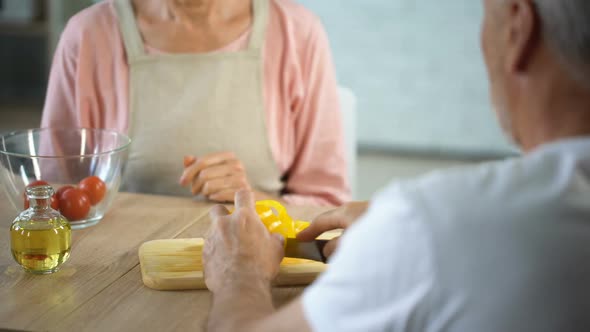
(243, 92)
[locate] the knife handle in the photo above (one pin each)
(320, 244)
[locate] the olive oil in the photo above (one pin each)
(40, 237)
(41, 250)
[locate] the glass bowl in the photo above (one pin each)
(63, 157)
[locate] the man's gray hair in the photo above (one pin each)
(566, 27)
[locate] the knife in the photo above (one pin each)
(313, 250)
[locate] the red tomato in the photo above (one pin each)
(94, 187)
(62, 190)
(54, 199)
(55, 203)
(74, 204)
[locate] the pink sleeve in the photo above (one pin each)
(319, 173)
(60, 103)
(70, 95)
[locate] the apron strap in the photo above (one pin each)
(129, 29)
(258, 35)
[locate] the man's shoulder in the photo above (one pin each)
(470, 194)
(453, 182)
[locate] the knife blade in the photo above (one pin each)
(313, 250)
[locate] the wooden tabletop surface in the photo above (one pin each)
(100, 287)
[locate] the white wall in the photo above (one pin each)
(416, 68)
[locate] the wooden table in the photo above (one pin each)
(100, 287)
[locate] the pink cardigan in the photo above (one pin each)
(88, 87)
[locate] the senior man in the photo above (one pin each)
(500, 247)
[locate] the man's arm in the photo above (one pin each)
(250, 309)
(245, 302)
(380, 278)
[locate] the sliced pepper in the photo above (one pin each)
(301, 225)
(275, 218)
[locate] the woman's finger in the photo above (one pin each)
(224, 196)
(189, 174)
(189, 160)
(214, 172)
(235, 182)
(215, 186)
(204, 162)
(229, 167)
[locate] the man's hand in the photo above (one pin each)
(340, 218)
(239, 249)
(216, 176)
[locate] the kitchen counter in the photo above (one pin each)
(100, 287)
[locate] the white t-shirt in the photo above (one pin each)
(499, 247)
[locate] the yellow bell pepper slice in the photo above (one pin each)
(275, 218)
(301, 225)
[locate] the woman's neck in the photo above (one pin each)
(198, 12)
(192, 26)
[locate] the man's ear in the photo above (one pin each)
(523, 32)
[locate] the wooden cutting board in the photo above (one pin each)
(176, 265)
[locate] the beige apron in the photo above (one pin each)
(195, 104)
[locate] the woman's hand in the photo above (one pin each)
(340, 218)
(217, 176)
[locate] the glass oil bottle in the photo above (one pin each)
(40, 236)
